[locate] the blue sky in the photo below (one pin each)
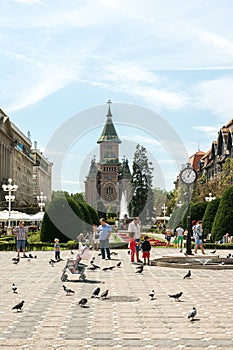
(61, 60)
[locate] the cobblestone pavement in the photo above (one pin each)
(128, 319)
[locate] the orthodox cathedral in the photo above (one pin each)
(108, 180)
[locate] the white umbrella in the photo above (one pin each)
(15, 216)
(38, 216)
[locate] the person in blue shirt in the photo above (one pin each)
(104, 230)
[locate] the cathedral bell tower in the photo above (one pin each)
(108, 178)
(108, 186)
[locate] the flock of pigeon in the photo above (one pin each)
(97, 293)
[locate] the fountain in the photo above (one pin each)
(124, 213)
(195, 262)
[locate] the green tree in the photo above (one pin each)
(77, 197)
(142, 198)
(226, 177)
(63, 219)
(224, 216)
(209, 216)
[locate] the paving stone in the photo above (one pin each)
(52, 320)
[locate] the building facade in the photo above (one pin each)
(20, 162)
(108, 178)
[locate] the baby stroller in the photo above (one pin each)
(75, 266)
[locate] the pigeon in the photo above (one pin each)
(71, 252)
(18, 306)
(229, 255)
(52, 261)
(82, 302)
(92, 260)
(140, 269)
(30, 256)
(119, 264)
(35, 257)
(104, 294)
(213, 252)
(16, 259)
(188, 274)
(176, 296)
(129, 252)
(113, 253)
(68, 290)
(192, 313)
(96, 292)
(152, 294)
(14, 288)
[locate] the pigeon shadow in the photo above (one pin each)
(195, 319)
(85, 281)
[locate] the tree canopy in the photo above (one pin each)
(142, 198)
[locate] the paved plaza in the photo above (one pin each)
(127, 319)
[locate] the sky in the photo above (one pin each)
(165, 65)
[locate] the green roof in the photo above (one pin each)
(109, 132)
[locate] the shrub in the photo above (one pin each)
(63, 219)
(197, 212)
(209, 216)
(224, 216)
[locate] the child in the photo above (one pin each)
(57, 249)
(146, 247)
(132, 247)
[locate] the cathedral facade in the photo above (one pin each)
(108, 178)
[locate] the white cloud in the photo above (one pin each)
(216, 96)
(218, 41)
(29, 2)
(210, 131)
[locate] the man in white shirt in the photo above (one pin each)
(134, 230)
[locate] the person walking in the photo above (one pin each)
(20, 233)
(57, 249)
(180, 236)
(197, 234)
(134, 230)
(104, 230)
(146, 247)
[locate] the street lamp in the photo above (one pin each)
(210, 198)
(41, 200)
(188, 176)
(164, 210)
(179, 204)
(9, 198)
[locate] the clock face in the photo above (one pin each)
(188, 176)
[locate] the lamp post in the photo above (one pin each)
(41, 200)
(179, 204)
(9, 197)
(188, 176)
(164, 210)
(210, 198)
